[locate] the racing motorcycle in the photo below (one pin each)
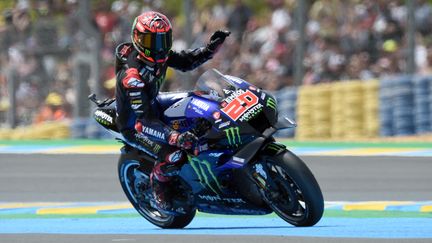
(236, 168)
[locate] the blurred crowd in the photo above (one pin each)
(350, 39)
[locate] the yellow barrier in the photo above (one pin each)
(47, 130)
(342, 110)
(313, 111)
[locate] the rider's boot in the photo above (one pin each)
(161, 179)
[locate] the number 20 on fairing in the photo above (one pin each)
(240, 105)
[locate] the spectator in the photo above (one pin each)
(345, 40)
(238, 19)
(52, 110)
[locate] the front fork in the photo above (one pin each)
(259, 173)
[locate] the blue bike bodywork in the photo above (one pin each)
(235, 168)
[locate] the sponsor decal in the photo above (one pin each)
(177, 104)
(275, 147)
(172, 139)
(148, 143)
(224, 124)
(175, 157)
(252, 88)
(103, 117)
(251, 113)
(137, 101)
(216, 115)
(238, 160)
(238, 106)
(233, 136)
(136, 106)
(147, 52)
(198, 111)
(154, 133)
(216, 155)
(125, 50)
(177, 124)
(260, 175)
(233, 95)
(200, 104)
(271, 103)
(217, 198)
(227, 91)
(147, 74)
(260, 170)
(203, 147)
(205, 174)
(135, 83)
(132, 94)
(263, 95)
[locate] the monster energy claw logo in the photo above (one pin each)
(233, 136)
(275, 147)
(147, 52)
(203, 169)
(271, 103)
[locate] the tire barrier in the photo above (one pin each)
(370, 108)
(422, 104)
(304, 113)
(343, 110)
(287, 102)
(405, 105)
(47, 130)
(82, 128)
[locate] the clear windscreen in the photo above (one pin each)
(216, 84)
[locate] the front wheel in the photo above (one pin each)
(136, 186)
(289, 188)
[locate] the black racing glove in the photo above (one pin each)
(183, 140)
(217, 39)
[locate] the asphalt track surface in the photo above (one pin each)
(92, 178)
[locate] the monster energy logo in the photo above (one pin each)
(275, 147)
(203, 169)
(233, 136)
(147, 52)
(271, 103)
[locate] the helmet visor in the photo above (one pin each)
(154, 42)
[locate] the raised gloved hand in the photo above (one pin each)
(183, 140)
(217, 39)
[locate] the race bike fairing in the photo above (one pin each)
(237, 167)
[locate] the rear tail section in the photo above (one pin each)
(105, 114)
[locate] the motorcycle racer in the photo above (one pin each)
(140, 72)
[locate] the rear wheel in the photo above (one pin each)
(136, 186)
(290, 189)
